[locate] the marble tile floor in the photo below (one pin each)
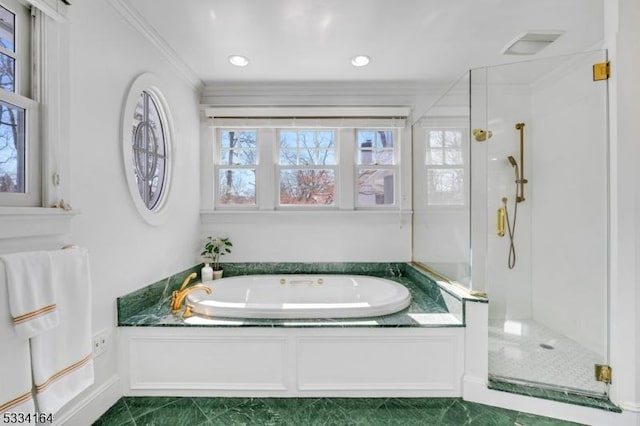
(174, 411)
(526, 350)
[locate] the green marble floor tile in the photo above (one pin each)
(249, 412)
(159, 411)
(117, 415)
(181, 412)
(525, 419)
(141, 405)
(462, 414)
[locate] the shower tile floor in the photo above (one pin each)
(173, 411)
(527, 351)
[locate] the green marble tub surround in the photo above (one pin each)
(374, 269)
(156, 294)
(593, 401)
(175, 411)
(423, 311)
(430, 306)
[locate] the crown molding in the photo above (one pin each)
(133, 17)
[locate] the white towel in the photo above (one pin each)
(61, 358)
(31, 292)
(15, 363)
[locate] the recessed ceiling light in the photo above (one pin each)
(239, 60)
(360, 60)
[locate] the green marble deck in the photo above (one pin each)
(568, 397)
(430, 306)
(170, 411)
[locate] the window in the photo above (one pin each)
(147, 134)
(325, 162)
(376, 175)
(238, 159)
(307, 167)
(149, 150)
(19, 145)
(445, 167)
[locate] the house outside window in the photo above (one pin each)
(376, 168)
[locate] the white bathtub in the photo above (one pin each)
(300, 296)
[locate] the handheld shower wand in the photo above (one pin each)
(520, 181)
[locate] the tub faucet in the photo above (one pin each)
(177, 297)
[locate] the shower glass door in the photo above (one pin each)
(539, 222)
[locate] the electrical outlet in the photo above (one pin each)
(100, 341)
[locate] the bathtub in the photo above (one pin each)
(299, 297)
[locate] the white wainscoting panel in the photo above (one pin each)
(208, 363)
(380, 363)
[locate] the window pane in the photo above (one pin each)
(7, 73)
(452, 138)
(453, 156)
(365, 154)
(238, 147)
(375, 147)
(12, 148)
(307, 186)
(288, 157)
(288, 139)
(375, 187)
(435, 157)
(307, 148)
(7, 29)
(445, 187)
(149, 151)
(237, 186)
(435, 139)
(384, 139)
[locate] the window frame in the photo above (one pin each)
(217, 165)
(464, 136)
(335, 167)
(22, 97)
(149, 83)
(343, 120)
(395, 167)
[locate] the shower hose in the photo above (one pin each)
(511, 262)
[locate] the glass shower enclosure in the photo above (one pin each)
(526, 194)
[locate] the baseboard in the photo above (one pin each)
(634, 407)
(88, 409)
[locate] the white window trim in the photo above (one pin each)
(441, 124)
(149, 83)
(218, 166)
(50, 84)
(269, 119)
(395, 167)
(335, 167)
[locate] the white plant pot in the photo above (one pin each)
(217, 274)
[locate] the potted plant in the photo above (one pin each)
(213, 249)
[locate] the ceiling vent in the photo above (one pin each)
(531, 42)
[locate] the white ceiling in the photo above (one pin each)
(430, 41)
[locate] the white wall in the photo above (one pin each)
(344, 235)
(125, 252)
(569, 201)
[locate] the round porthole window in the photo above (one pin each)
(147, 135)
